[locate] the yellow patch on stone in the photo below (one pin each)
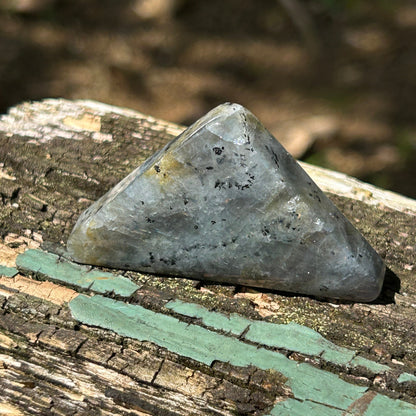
(166, 168)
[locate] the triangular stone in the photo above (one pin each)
(224, 201)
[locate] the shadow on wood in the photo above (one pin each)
(391, 286)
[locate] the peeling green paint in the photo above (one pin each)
(55, 269)
(236, 324)
(8, 271)
(291, 336)
(383, 405)
(316, 391)
(338, 355)
(293, 407)
(369, 365)
(378, 406)
(200, 344)
(406, 377)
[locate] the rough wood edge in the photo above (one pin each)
(347, 186)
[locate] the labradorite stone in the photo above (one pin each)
(224, 201)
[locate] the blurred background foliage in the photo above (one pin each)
(335, 80)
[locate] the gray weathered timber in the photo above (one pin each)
(224, 201)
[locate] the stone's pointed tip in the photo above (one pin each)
(235, 106)
(224, 201)
(227, 109)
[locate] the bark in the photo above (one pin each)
(56, 158)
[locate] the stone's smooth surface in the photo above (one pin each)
(224, 201)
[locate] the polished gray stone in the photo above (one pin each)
(224, 201)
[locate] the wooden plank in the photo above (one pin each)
(57, 157)
(318, 390)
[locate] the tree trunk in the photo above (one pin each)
(71, 345)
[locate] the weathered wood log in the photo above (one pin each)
(58, 357)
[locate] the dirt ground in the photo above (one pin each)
(336, 77)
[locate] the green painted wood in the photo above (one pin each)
(378, 406)
(295, 337)
(235, 324)
(369, 365)
(205, 346)
(63, 271)
(292, 336)
(338, 355)
(316, 392)
(293, 407)
(8, 271)
(404, 377)
(383, 405)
